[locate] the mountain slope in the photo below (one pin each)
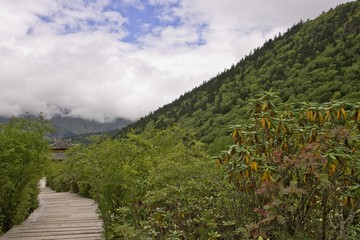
(315, 60)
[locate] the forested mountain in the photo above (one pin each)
(315, 60)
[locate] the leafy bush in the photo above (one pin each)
(159, 184)
(298, 170)
(23, 159)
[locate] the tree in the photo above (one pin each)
(23, 159)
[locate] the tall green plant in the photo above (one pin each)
(297, 171)
(23, 159)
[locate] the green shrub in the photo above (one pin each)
(23, 159)
(298, 169)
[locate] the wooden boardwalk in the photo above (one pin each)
(59, 216)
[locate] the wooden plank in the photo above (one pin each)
(59, 216)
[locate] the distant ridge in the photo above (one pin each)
(69, 127)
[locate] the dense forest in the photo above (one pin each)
(315, 61)
(268, 149)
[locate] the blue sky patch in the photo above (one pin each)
(47, 19)
(142, 18)
(140, 22)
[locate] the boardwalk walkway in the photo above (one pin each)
(59, 216)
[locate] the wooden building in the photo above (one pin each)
(59, 147)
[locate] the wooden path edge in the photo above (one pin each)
(59, 216)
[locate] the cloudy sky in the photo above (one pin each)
(101, 59)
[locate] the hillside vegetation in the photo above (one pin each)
(314, 61)
(289, 174)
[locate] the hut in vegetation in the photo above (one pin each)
(59, 147)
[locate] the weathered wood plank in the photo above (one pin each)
(59, 216)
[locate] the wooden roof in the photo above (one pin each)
(61, 144)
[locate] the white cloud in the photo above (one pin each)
(93, 72)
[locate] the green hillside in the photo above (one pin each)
(315, 60)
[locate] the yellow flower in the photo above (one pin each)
(253, 166)
(266, 176)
